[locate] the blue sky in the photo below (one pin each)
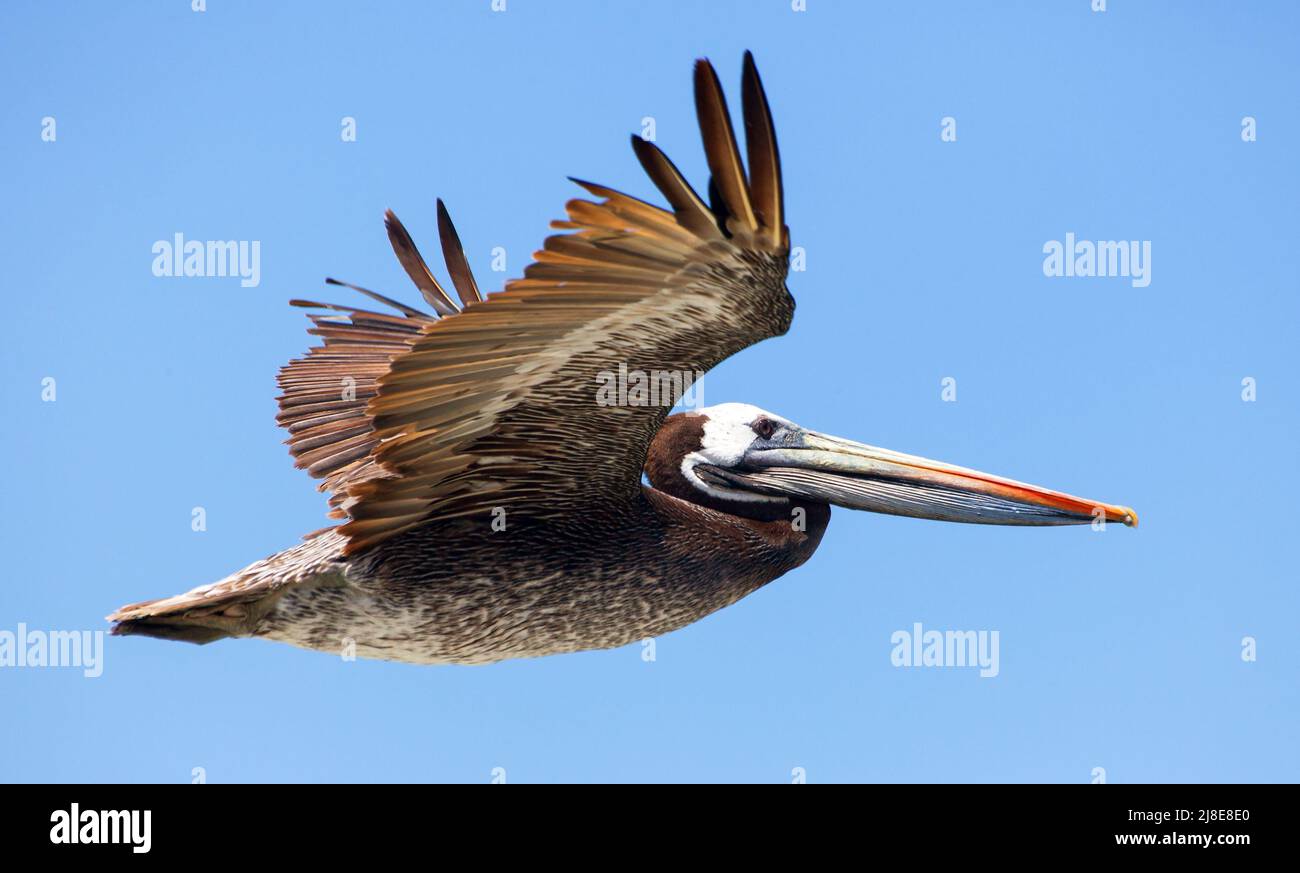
(1119, 649)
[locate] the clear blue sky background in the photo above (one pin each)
(1119, 649)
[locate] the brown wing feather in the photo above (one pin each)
(764, 157)
(691, 211)
(720, 147)
(454, 254)
(413, 262)
(325, 393)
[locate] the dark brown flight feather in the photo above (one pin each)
(764, 157)
(376, 296)
(413, 262)
(691, 211)
(720, 146)
(454, 254)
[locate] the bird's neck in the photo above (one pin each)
(769, 535)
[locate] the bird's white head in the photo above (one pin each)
(730, 431)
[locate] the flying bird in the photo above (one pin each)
(491, 507)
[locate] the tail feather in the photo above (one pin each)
(163, 630)
(233, 606)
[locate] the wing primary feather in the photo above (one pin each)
(415, 267)
(720, 145)
(690, 210)
(764, 157)
(454, 254)
(409, 311)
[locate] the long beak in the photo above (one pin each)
(833, 470)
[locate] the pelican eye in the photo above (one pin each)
(764, 427)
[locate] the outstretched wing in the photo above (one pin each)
(500, 404)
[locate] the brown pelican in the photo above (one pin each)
(493, 508)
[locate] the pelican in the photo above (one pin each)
(490, 507)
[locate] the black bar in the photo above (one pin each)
(1219, 821)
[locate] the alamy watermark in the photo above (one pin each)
(627, 387)
(55, 648)
(950, 648)
(1085, 258)
(179, 257)
(75, 825)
